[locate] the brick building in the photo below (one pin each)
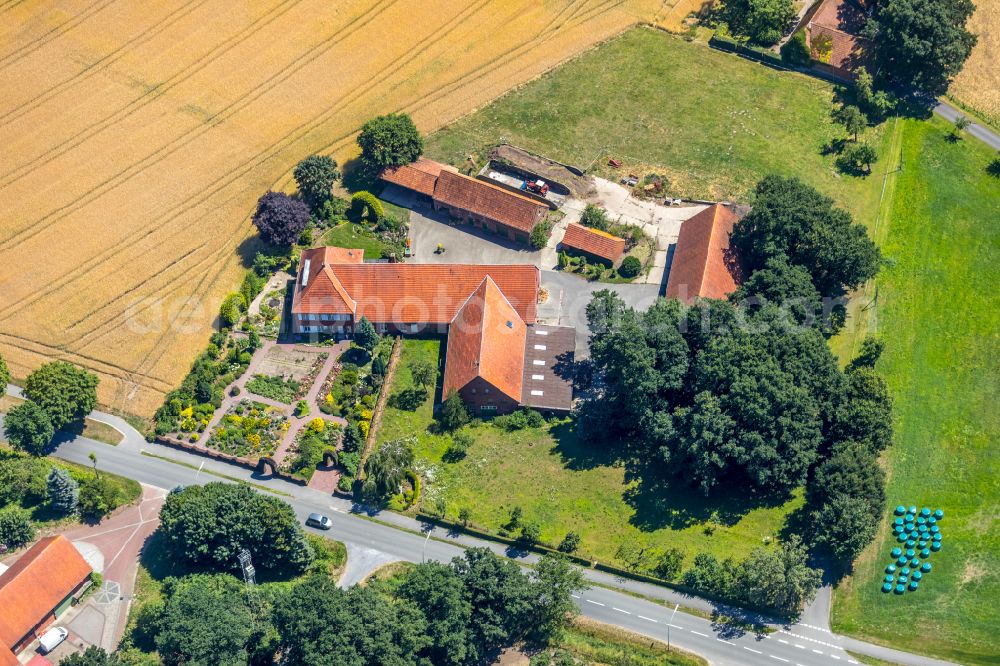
(470, 200)
(44, 582)
(833, 35)
(487, 312)
(593, 244)
(703, 264)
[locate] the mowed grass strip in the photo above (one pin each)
(937, 309)
(563, 483)
(713, 123)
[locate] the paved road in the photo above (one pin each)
(401, 538)
(981, 132)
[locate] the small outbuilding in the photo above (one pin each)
(594, 244)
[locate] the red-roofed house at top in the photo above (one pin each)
(834, 36)
(488, 313)
(704, 265)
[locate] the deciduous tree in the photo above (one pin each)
(66, 392)
(205, 620)
(779, 579)
(761, 21)
(386, 468)
(315, 176)
(280, 219)
(388, 141)
(439, 592)
(29, 428)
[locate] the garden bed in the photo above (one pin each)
(249, 430)
(306, 452)
(275, 388)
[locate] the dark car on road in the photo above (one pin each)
(319, 521)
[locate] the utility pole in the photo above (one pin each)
(668, 625)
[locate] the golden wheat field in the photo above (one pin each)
(136, 137)
(978, 84)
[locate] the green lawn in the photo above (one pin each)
(565, 484)
(713, 123)
(350, 235)
(937, 308)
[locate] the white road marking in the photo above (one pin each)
(782, 640)
(778, 658)
(802, 624)
(675, 626)
(817, 651)
(752, 650)
(833, 656)
(698, 633)
(643, 617)
(575, 596)
(591, 601)
(722, 640)
(621, 611)
(801, 647)
(811, 640)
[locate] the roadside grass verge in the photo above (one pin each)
(562, 483)
(92, 429)
(712, 123)
(937, 308)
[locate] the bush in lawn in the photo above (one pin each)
(66, 393)
(63, 491)
(280, 218)
(388, 141)
(29, 428)
(460, 443)
(630, 268)
(570, 543)
(454, 413)
(669, 566)
(857, 159)
(334, 209)
(98, 496)
(796, 51)
(15, 528)
(315, 176)
(519, 420)
(206, 526)
(366, 205)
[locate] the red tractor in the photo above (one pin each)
(537, 186)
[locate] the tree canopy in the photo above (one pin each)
(315, 176)
(205, 620)
(280, 219)
(365, 335)
(439, 592)
(206, 526)
(386, 468)
(66, 392)
(761, 21)
(388, 141)
(923, 44)
(29, 428)
(4, 374)
(792, 220)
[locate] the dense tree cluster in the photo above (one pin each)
(922, 44)
(792, 221)
(315, 176)
(280, 219)
(761, 21)
(207, 526)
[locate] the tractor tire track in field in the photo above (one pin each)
(153, 93)
(276, 148)
(5, 7)
(101, 64)
(408, 58)
(172, 214)
(90, 362)
(342, 140)
(36, 226)
(40, 41)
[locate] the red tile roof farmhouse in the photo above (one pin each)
(457, 191)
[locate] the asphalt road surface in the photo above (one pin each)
(399, 537)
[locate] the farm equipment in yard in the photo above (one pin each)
(614, 163)
(536, 187)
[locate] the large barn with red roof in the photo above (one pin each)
(704, 265)
(497, 358)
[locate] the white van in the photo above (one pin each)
(51, 639)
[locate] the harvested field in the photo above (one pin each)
(978, 84)
(137, 137)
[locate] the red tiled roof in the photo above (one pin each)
(7, 657)
(486, 339)
(38, 582)
(408, 293)
(420, 175)
(490, 201)
(841, 21)
(703, 264)
(594, 242)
